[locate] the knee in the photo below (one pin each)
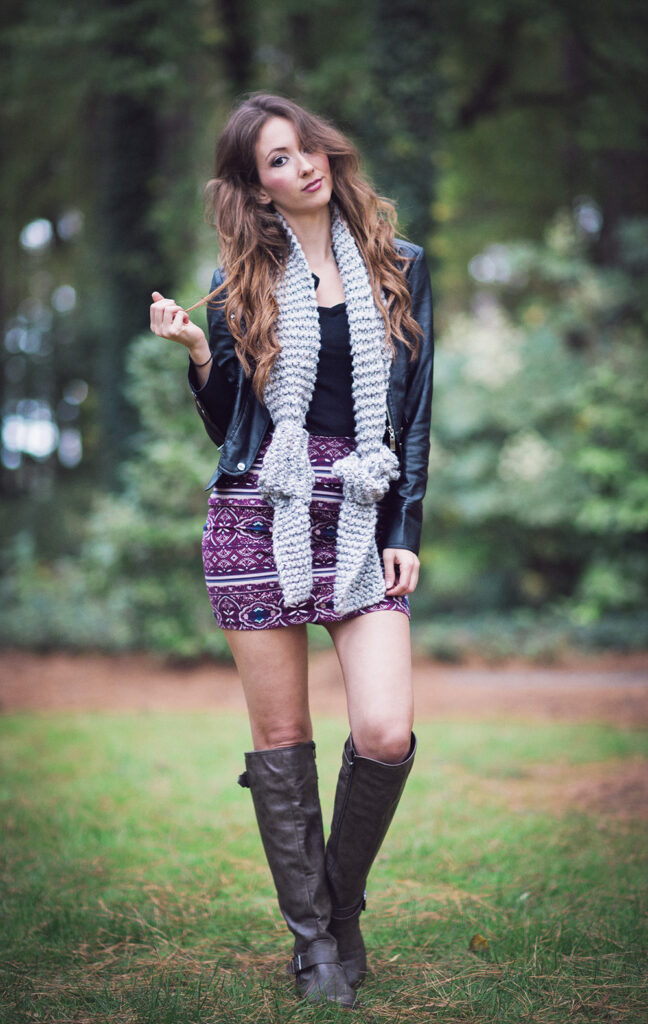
(386, 742)
(271, 736)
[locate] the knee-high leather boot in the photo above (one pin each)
(284, 790)
(366, 799)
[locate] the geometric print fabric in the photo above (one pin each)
(240, 570)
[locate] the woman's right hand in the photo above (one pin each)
(169, 320)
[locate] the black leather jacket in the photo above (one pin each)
(237, 422)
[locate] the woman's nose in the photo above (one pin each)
(306, 164)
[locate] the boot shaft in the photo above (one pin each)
(367, 795)
(284, 788)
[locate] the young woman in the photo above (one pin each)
(315, 384)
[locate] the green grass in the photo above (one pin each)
(134, 888)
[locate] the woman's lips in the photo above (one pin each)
(313, 187)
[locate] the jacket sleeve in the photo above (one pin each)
(215, 399)
(404, 501)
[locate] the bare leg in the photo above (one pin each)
(273, 665)
(375, 655)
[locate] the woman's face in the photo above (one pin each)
(291, 178)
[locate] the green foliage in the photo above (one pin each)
(538, 490)
(137, 580)
(48, 604)
(145, 542)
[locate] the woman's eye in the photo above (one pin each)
(275, 162)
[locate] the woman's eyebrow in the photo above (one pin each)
(275, 149)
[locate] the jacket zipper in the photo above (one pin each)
(390, 428)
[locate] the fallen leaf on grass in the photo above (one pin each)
(478, 944)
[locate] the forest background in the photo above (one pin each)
(514, 138)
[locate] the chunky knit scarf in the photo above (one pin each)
(286, 477)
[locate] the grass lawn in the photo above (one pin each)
(134, 887)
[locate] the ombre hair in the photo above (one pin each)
(254, 246)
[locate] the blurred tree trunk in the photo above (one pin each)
(129, 256)
(402, 123)
(139, 146)
(238, 44)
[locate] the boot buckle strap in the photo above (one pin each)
(346, 913)
(325, 953)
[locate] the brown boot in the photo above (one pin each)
(366, 799)
(284, 790)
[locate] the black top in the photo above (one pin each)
(331, 409)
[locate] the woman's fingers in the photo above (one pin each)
(389, 555)
(408, 571)
(178, 318)
(167, 317)
(169, 320)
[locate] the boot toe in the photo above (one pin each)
(353, 954)
(355, 968)
(325, 983)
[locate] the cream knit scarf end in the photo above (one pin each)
(286, 478)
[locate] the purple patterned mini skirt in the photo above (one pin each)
(240, 570)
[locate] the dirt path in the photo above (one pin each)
(606, 689)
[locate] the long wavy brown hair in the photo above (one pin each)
(254, 246)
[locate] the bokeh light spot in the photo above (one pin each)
(38, 234)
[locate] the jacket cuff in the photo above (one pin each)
(400, 526)
(192, 377)
(213, 402)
